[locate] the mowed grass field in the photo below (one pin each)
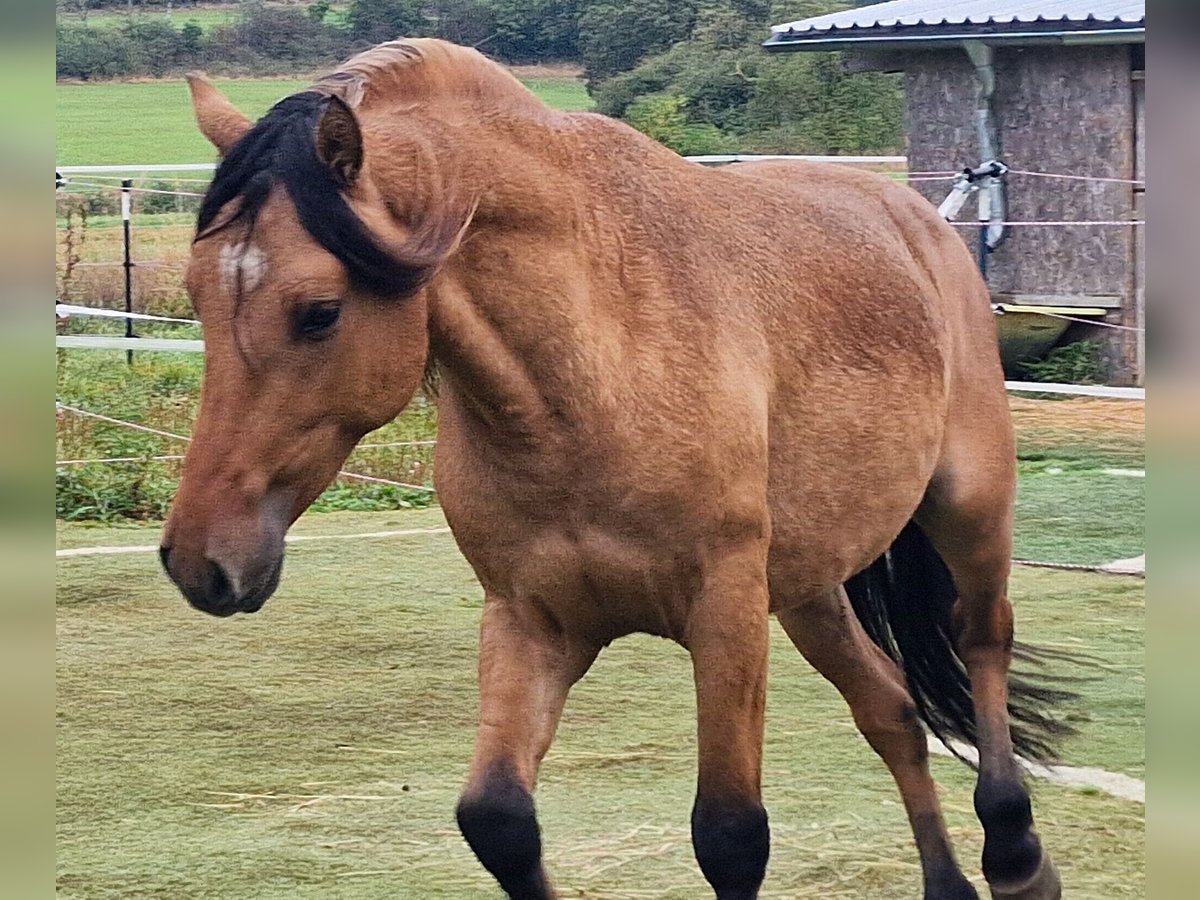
(317, 748)
(137, 123)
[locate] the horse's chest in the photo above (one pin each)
(603, 580)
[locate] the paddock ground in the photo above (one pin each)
(316, 749)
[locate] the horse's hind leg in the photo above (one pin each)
(968, 515)
(526, 667)
(829, 635)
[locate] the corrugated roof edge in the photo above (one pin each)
(809, 25)
(822, 41)
(910, 35)
(903, 13)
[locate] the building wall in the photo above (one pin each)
(1059, 110)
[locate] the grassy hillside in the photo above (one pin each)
(114, 123)
(206, 17)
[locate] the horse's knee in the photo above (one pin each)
(496, 816)
(1011, 850)
(732, 842)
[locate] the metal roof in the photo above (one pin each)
(935, 20)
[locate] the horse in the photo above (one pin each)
(672, 399)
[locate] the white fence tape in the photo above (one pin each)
(101, 342)
(134, 169)
(1078, 390)
(66, 310)
(290, 539)
(97, 342)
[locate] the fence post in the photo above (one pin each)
(126, 213)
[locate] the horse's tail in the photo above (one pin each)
(903, 600)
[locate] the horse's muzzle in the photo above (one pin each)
(210, 587)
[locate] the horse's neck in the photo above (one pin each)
(527, 320)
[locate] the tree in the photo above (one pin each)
(536, 30)
(385, 20)
(717, 86)
(615, 36)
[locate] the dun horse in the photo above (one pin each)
(672, 400)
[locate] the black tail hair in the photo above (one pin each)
(904, 600)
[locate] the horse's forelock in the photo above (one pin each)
(281, 150)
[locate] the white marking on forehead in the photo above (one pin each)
(242, 266)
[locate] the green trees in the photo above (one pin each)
(614, 35)
(383, 20)
(535, 30)
(715, 89)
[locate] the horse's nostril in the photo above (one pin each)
(164, 556)
(219, 584)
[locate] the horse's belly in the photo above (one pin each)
(843, 486)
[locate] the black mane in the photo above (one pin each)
(281, 149)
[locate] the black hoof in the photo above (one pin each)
(498, 821)
(732, 845)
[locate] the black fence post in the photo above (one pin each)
(126, 211)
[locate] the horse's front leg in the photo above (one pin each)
(527, 664)
(728, 638)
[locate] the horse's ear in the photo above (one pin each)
(339, 141)
(219, 120)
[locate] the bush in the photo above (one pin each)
(535, 30)
(287, 35)
(662, 118)
(159, 47)
(1080, 362)
(730, 93)
(82, 53)
(384, 20)
(265, 39)
(614, 37)
(168, 202)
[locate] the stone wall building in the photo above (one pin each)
(1045, 86)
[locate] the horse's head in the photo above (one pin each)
(309, 288)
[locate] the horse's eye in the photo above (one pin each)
(315, 321)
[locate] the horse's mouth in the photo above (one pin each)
(221, 598)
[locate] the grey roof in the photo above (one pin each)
(940, 19)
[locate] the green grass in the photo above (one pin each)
(199, 757)
(162, 390)
(206, 17)
(1079, 515)
(147, 122)
(116, 123)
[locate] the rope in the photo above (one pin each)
(359, 477)
(1002, 310)
(1100, 178)
(149, 264)
(169, 178)
(62, 407)
(1060, 222)
(116, 459)
(119, 189)
(396, 444)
